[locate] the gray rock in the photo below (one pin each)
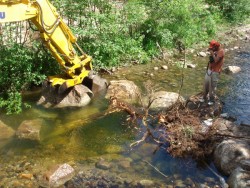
(30, 129)
(229, 154)
(76, 96)
(96, 83)
(165, 67)
(245, 164)
(123, 89)
(189, 65)
(232, 70)
(57, 176)
(202, 54)
(163, 99)
(146, 183)
(102, 164)
(124, 164)
(239, 178)
(156, 68)
(6, 131)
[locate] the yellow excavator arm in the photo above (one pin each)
(56, 35)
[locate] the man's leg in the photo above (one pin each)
(206, 86)
(214, 82)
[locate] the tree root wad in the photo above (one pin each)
(179, 129)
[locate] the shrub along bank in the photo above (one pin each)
(113, 33)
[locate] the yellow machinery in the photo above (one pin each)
(56, 35)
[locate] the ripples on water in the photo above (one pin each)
(237, 99)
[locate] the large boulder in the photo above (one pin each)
(57, 176)
(162, 99)
(229, 154)
(96, 83)
(124, 90)
(6, 131)
(77, 96)
(239, 178)
(30, 129)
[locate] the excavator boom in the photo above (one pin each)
(56, 35)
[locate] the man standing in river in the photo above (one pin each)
(216, 60)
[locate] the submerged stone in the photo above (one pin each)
(30, 129)
(57, 176)
(6, 131)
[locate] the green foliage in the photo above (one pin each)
(232, 10)
(110, 37)
(12, 102)
(179, 23)
(20, 68)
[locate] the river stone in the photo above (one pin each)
(202, 54)
(239, 178)
(165, 67)
(114, 149)
(223, 126)
(232, 70)
(229, 153)
(190, 65)
(96, 83)
(124, 90)
(57, 176)
(103, 164)
(146, 183)
(77, 96)
(162, 99)
(30, 129)
(6, 131)
(124, 164)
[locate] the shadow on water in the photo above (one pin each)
(78, 134)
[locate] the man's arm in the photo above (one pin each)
(219, 56)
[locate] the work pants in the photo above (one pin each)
(210, 84)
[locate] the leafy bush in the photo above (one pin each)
(233, 10)
(178, 23)
(20, 67)
(110, 35)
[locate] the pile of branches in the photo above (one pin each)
(178, 129)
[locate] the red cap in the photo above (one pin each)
(214, 43)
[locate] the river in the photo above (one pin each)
(64, 139)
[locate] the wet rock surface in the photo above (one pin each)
(6, 131)
(57, 176)
(232, 155)
(163, 100)
(229, 153)
(232, 69)
(77, 96)
(123, 89)
(30, 129)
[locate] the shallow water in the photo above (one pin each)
(77, 134)
(237, 98)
